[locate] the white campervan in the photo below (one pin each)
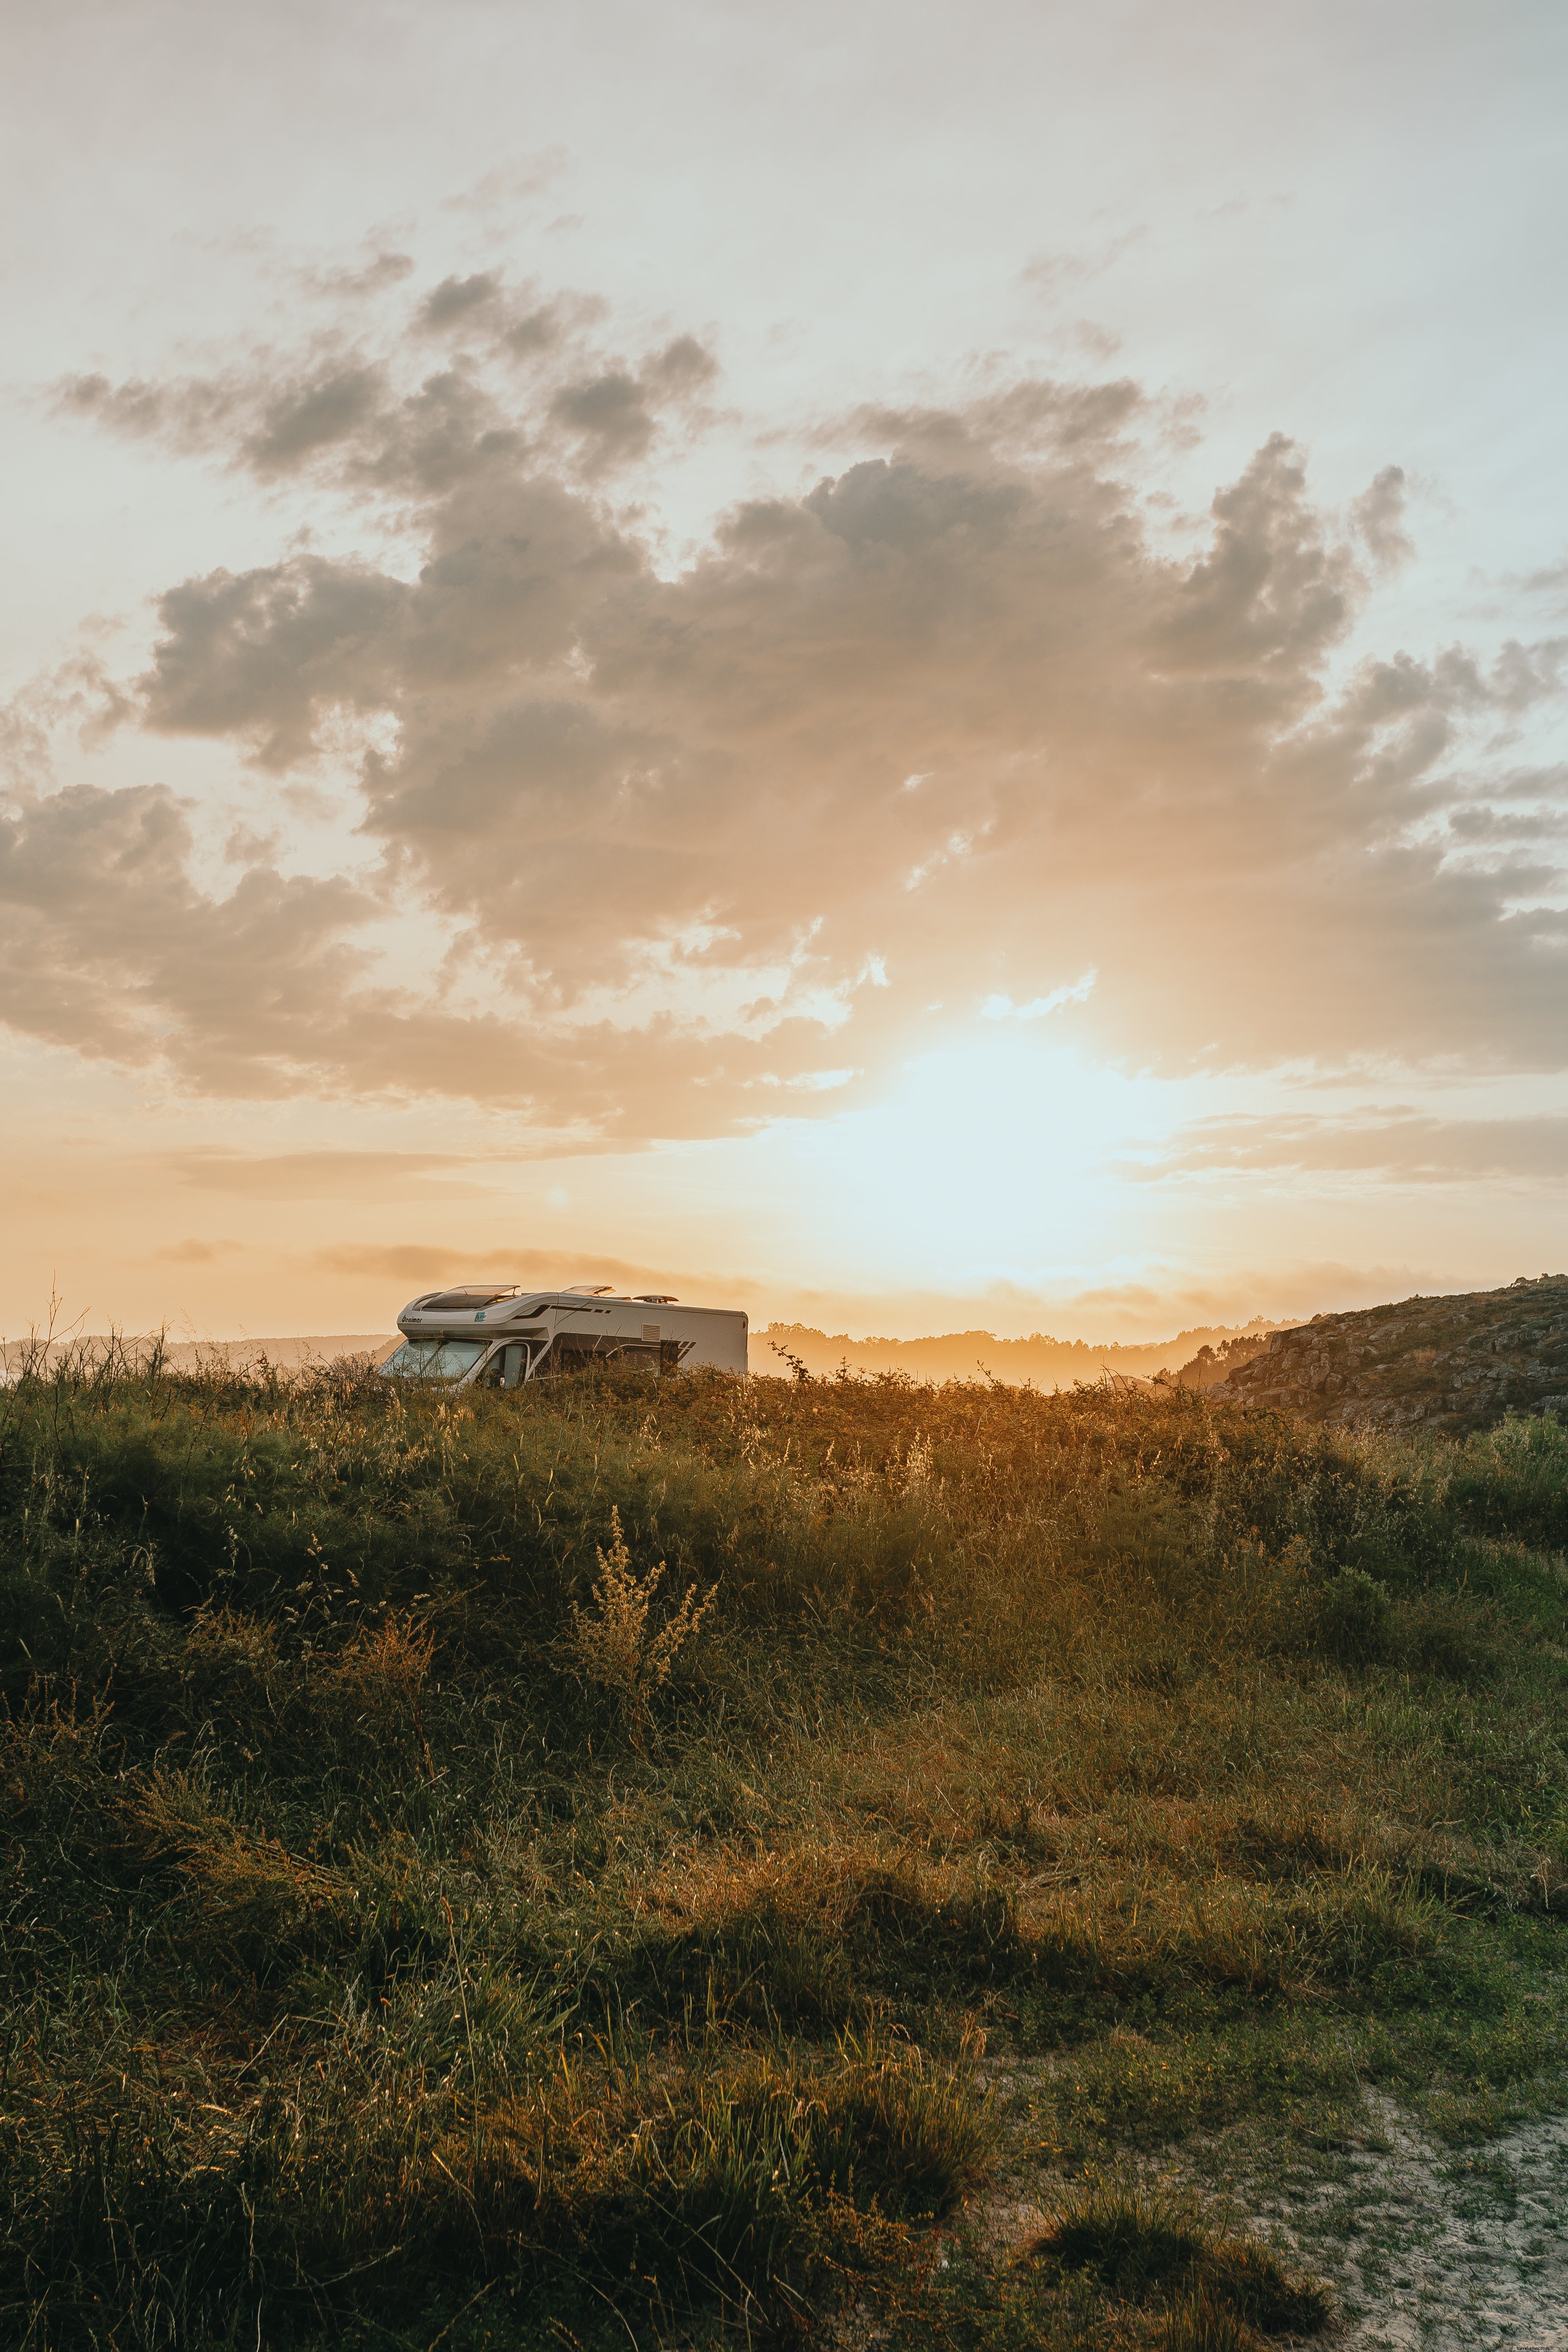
(499, 1335)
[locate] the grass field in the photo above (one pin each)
(708, 1862)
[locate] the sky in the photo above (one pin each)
(901, 666)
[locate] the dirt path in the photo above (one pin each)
(1445, 2251)
(1429, 2249)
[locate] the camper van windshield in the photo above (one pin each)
(435, 1360)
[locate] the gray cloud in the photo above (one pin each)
(610, 413)
(260, 653)
(614, 416)
(457, 299)
(534, 332)
(1487, 826)
(662, 821)
(353, 282)
(312, 416)
(682, 367)
(369, 424)
(190, 415)
(107, 946)
(1380, 520)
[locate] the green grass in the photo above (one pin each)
(1144, 2247)
(412, 1921)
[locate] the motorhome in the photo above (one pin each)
(500, 1335)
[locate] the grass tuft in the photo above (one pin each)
(1142, 2246)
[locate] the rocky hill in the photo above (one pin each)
(1453, 1364)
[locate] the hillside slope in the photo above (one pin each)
(1453, 1364)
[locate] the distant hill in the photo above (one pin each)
(287, 1354)
(970, 1355)
(1455, 1364)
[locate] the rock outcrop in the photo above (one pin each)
(1210, 1366)
(1452, 1364)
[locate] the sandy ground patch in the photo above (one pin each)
(1444, 2249)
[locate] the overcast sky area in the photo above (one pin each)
(899, 665)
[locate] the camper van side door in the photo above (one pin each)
(508, 1368)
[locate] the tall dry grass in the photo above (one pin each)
(409, 1894)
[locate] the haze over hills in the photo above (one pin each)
(1050, 1363)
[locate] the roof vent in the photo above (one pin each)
(656, 1299)
(588, 1290)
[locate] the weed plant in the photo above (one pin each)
(672, 1860)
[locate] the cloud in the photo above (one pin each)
(533, 332)
(108, 945)
(1298, 1286)
(1380, 520)
(457, 299)
(355, 281)
(1052, 273)
(1551, 583)
(1076, 991)
(1488, 827)
(500, 190)
(550, 1269)
(306, 417)
(1100, 343)
(105, 934)
(192, 413)
(610, 413)
(386, 425)
(629, 831)
(259, 653)
(322, 1175)
(406, 1262)
(1402, 1147)
(614, 416)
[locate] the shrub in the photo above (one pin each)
(614, 1648)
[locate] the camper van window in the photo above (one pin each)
(573, 1350)
(435, 1360)
(461, 1302)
